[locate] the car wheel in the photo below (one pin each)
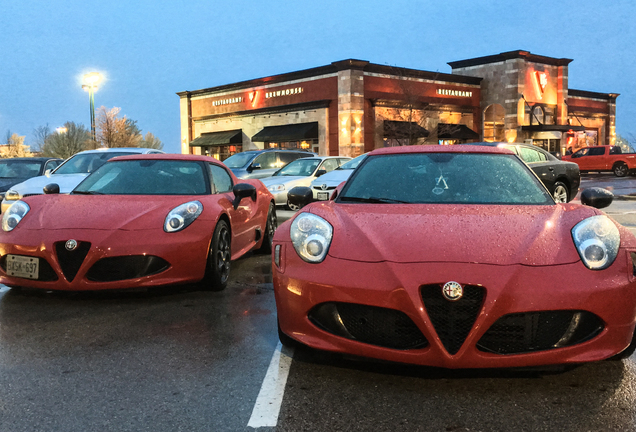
(286, 340)
(270, 229)
(292, 207)
(627, 352)
(560, 192)
(217, 270)
(620, 170)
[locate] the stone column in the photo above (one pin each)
(350, 107)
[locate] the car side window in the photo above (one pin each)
(50, 165)
(267, 160)
(596, 151)
(221, 180)
(615, 150)
(530, 155)
(286, 158)
(329, 165)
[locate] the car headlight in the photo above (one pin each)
(311, 236)
(276, 188)
(597, 240)
(12, 195)
(12, 217)
(182, 216)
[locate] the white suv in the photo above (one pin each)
(70, 173)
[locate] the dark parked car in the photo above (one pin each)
(561, 178)
(262, 163)
(17, 170)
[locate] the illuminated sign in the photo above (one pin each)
(450, 92)
(540, 82)
(286, 92)
(227, 101)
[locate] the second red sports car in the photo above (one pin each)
(137, 221)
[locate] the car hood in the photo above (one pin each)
(34, 185)
(107, 212)
(290, 181)
(486, 234)
(333, 178)
(6, 183)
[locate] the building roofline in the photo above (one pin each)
(509, 55)
(591, 94)
(333, 68)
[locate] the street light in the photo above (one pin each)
(90, 85)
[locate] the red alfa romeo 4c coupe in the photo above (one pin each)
(455, 257)
(137, 222)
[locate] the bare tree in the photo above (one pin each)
(67, 141)
(115, 131)
(151, 141)
(41, 133)
(15, 147)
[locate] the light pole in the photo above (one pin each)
(90, 85)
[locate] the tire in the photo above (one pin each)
(270, 229)
(286, 340)
(217, 268)
(292, 207)
(560, 193)
(620, 169)
(627, 352)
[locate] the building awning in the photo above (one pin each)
(290, 132)
(446, 131)
(403, 130)
(218, 138)
(552, 128)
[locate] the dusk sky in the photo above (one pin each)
(150, 50)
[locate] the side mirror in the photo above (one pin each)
(47, 172)
(321, 172)
(243, 190)
(597, 197)
(51, 188)
(300, 196)
(254, 166)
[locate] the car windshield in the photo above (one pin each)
(353, 163)
(461, 178)
(146, 177)
(239, 160)
(300, 167)
(87, 162)
(19, 169)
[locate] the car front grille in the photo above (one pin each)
(452, 320)
(539, 331)
(126, 267)
(71, 261)
(30, 194)
(383, 327)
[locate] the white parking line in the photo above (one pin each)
(4, 288)
(270, 398)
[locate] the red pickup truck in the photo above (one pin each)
(603, 158)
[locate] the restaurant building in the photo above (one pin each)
(352, 106)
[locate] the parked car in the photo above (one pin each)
(603, 158)
(300, 172)
(262, 163)
(69, 174)
(455, 257)
(560, 177)
(324, 186)
(17, 170)
(137, 221)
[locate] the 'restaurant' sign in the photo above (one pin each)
(227, 101)
(451, 92)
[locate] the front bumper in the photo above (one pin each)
(184, 255)
(608, 295)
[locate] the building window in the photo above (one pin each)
(494, 123)
(305, 144)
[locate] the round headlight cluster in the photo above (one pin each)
(182, 216)
(12, 217)
(597, 240)
(311, 236)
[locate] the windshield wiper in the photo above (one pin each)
(88, 193)
(373, 200)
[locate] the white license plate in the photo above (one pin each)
(22, 266)
(323, 196)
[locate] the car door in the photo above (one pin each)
(242, 222)
(264, 165)
(540, 164)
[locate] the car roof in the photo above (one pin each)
(140, 150)
(36, 158)
(167, 156)
(464, 148)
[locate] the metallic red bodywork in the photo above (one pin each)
(121, 225)
(523, 256)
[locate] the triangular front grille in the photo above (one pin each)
(452, 320)
(71, 261)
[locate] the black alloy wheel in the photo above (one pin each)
(270, 229)
(620, 169)
(560, 194)
(217, 270)
(292, 207)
